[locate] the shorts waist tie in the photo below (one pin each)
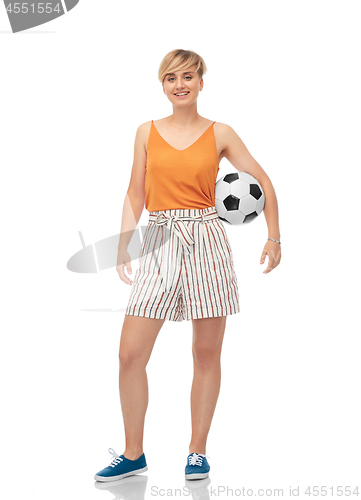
(170, 267)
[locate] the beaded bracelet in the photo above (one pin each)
(274, 240)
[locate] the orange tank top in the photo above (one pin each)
(183, 178)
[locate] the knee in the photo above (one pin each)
(205, 357)
(127, 359)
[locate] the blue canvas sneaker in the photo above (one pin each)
(197, 466)
(121, 467)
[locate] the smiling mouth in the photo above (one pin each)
(182, 93)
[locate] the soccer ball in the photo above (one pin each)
(239, 198)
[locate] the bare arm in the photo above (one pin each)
(132, 210)
(236, 153)
(134, 201)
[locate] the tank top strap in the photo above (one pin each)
(152, 134)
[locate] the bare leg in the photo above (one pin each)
(136, 343)
(206, 349)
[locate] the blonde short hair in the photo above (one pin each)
(181, 59)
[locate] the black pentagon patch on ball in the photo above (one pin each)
(231, 178)
(231, 202)
(222, 218)
(250, 217)
(255, 191)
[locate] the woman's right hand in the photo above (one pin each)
(124, 262)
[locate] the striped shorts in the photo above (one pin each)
(186, 268)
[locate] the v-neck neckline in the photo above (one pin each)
(188, 146)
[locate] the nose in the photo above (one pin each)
(180, 83)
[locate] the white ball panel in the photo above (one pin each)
(239, 188)
(247, 178)
(248, 204)
(235, 217)
(222, 189)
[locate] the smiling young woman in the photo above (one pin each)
(186, 269)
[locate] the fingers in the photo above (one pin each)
(270, 261)
(271, 265)
(122, 275)
(263, 256)
(274, 258)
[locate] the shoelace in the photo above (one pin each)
(116, 460)
(197, 459)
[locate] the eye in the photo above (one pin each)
(172, 78)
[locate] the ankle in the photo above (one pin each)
(196, 449)
(132, 453)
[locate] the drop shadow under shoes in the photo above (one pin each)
(121, 467)
(197, 466)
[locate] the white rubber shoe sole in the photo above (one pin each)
(200, 475)
(120, 476)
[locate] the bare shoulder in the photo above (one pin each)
(223, 134)
(142, 134)
(144, 127)
(223, 130)
(227, 135)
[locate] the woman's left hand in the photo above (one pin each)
(273, 250)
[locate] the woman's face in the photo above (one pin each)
(184, 80)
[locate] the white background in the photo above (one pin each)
(286, 76)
